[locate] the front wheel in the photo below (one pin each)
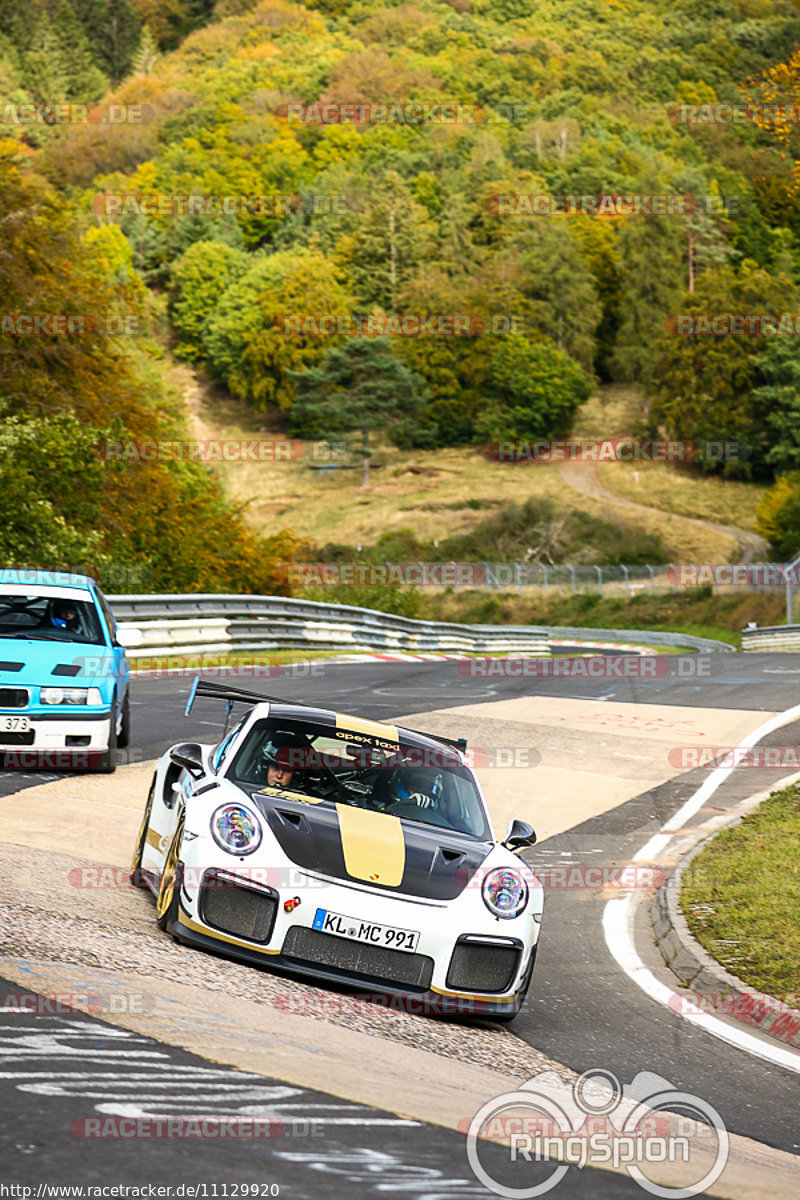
(169, 887)
(124, 723)
(108, 759)
(137, 879)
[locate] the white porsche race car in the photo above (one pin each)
(348, 851)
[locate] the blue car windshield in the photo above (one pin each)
(49, 619)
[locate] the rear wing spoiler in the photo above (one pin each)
(217, 691)
(233, 695)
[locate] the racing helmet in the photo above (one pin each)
(415, 786)
(285, 751)
(64, 614)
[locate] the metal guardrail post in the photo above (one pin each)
(675, 576)
(599, 580)
(652, 579)
(627, 584)
(571, 570)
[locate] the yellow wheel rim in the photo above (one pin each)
(166, 888)
(148, 808)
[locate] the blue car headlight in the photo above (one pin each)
(57, 695)
(505, 892)
(235, 829)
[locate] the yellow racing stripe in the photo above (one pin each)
(373, 845)
(371, 728)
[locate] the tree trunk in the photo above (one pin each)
(365, 452)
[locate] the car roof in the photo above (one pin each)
(35, 577)
(358, 726)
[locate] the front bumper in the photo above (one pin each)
(65, 736)
(451, 936)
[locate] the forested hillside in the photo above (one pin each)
(377, 164)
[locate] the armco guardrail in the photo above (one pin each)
(772, 637)
(207, 624)
(642, 637)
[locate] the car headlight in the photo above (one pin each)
(236, 829)
(505, 892)
(57, 695)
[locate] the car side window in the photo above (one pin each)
(222, 751)
(107, 613)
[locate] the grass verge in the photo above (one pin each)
(697, 611)
(741, 896)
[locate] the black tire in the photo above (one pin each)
(124, 735)
(137, 878)
(170, 885)
(108, 759)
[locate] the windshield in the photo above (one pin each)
(316, 763)
(50, 619)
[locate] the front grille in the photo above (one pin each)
(13, 697)
(239, 911)
(356, 958)
(482, 967)
(17, 739)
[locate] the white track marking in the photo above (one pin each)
(618, 914)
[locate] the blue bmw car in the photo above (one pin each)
(64, 700)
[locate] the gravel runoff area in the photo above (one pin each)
(51, 915)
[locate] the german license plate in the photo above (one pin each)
(366, 931)
(14, 724)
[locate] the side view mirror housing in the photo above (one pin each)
(189, 756)
(518, 835)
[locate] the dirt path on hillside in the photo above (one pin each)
(582, 477)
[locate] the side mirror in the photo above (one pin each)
(518, 835)
(129, 636)
(189, 756)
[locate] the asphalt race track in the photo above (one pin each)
(583, 1010)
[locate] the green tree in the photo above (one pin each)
(778, 517)
(359, 387)
(200, 277)
(779, 397)
(707, 385)
(533, 390)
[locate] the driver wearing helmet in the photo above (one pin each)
(417, 787)
(64, 615)
(282, 756)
